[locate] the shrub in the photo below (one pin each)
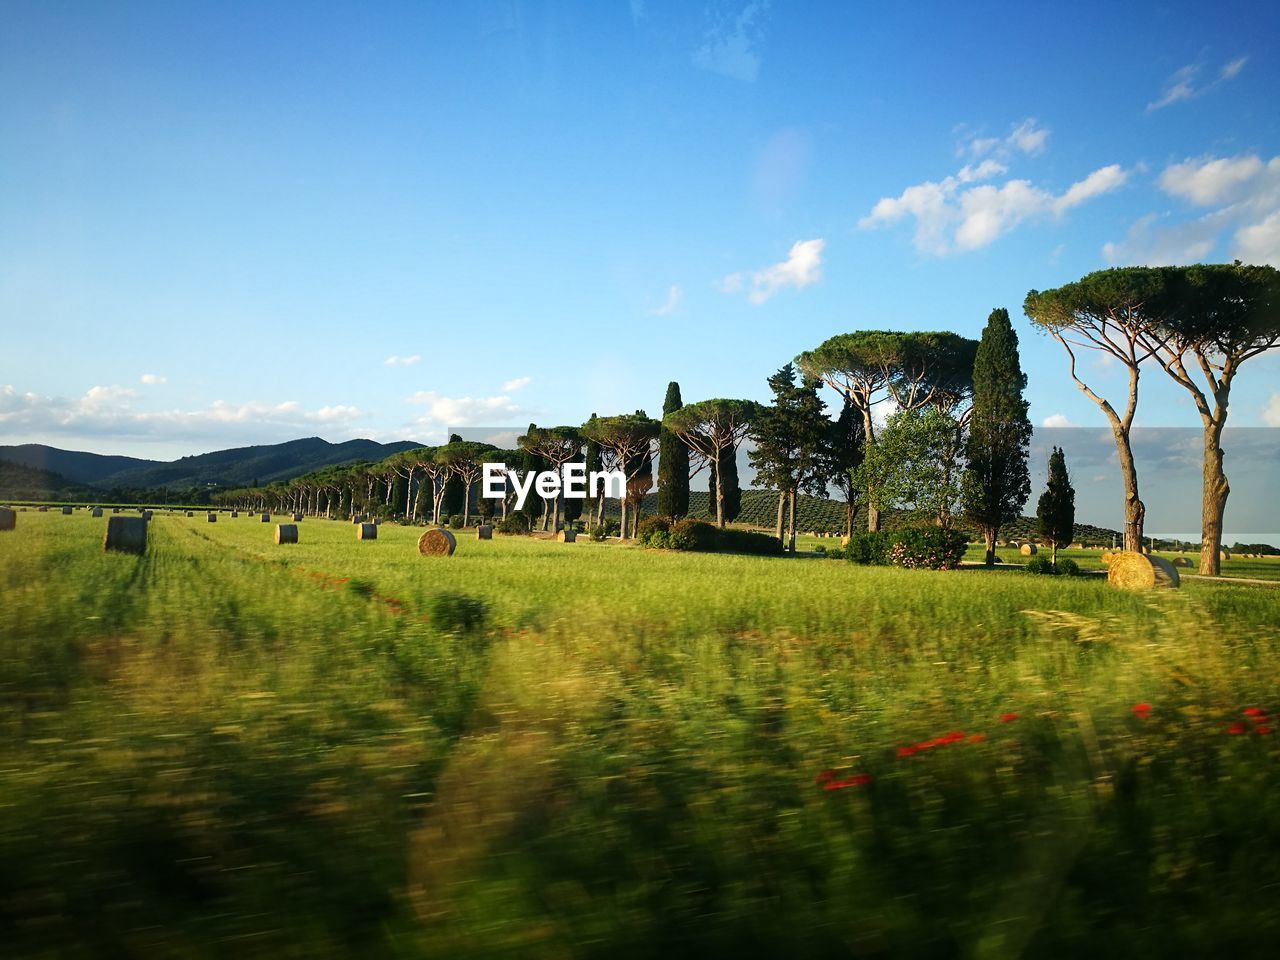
(870, 548)
(598, 533)
(747, 541)
(1068, 567)
(835, 553)
(693, 535)
(820, 550)
(515, 523)
(455, 521)
(456, 612)
(930, 547)
(1039, 565)
(653, 531)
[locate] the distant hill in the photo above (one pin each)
(29, 483)
(237, 467)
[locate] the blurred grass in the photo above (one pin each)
(538, 749)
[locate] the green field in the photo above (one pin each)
(341, 748)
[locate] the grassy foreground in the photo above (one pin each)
(331, 749)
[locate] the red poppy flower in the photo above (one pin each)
(1008, 717)
(857, 780)
(955, 736)
(1261, 729)
(1141, 709)
(906, 751)
(1255, 712)
(978, 738)
(1236, 728)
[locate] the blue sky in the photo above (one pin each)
(224, 224)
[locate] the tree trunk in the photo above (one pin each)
(408, 497)
(792, 524)
(1053, 547)
(848, 518)
(1214, 499)
(989, 535)
(868, 431)
(782, 499)
(622, 508)
(1134, 509)
(466, 502)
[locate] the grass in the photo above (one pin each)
(537, 749)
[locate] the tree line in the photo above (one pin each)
(953, 441)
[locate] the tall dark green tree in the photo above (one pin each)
(840, 456)
(996, 482)
(789, 437)
(1056, 511)
(673, 462)
(592, 460)
(455, 490)
(730, 485)
(530, 462)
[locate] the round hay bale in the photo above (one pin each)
(266, 518)
(190, 514)
(126, 534)
(95, 512)
(286, 533)
(437, 542)
(367, 531)
(1028, 550)
(115, 509)
(297, 518)
(212, 518)
(42, 509)
(1224, 554)
(8, 519)
(484, 531)
(1130, 570)
(1106, 556)
(1181, 562)
(567, 536)
(67, 511)
(234, 514)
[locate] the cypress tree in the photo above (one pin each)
(996, 482)
(592, 460)
(727, 468)
(1056, 510)
(673, 463)
(453, 491)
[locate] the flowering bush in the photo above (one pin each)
(929, 547)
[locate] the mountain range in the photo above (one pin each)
(237, 467)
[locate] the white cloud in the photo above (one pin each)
(802, 267)
(1101, 181)
(442, 411)
(1181, 84)
(1230, 70)
(1244, 196)
(1271, 412)
(1208, 181)
(951, 216)
(1029, 138)
(151, 379)
(108, 412)
(519, 383)
(1026, 137)
(394, 361)
(674, 296)
(1057, 420)
(1260, 243)
(730, 46)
